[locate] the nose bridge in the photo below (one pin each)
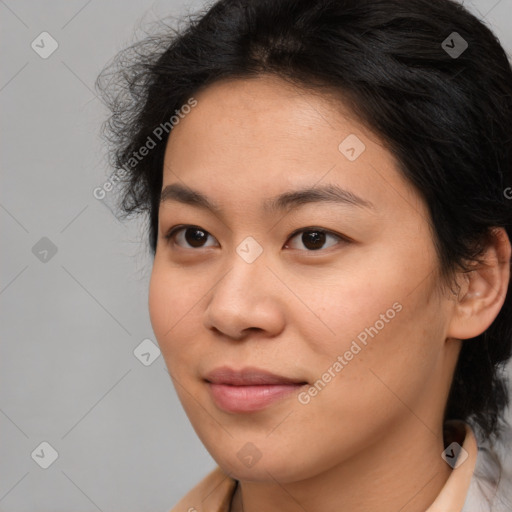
(248, 270)
(244, 284)
(244, 298)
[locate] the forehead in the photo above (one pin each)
(264, 136)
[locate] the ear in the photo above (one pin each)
(483, 291)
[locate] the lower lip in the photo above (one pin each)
(249, 398)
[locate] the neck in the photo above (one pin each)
(402, 471)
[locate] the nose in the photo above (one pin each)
(247, 298)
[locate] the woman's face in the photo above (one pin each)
(353, 310)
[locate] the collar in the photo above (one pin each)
(454, 492)
(212, 494)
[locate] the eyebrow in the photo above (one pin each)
(286, 201)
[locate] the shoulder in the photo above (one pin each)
(491, 486)
(212, 494)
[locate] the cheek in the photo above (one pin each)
(170, 303)
(388, 354)
(160, 301)
(175, 302)
(348, 303)
(386, 329)
(375, 294)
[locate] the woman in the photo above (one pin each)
(328, 189)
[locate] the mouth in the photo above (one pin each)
(250, 389)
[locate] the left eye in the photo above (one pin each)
(312, 239)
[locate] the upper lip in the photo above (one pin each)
(247, 376)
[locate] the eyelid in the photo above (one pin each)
(321, 230)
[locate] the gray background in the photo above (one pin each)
(72, 320)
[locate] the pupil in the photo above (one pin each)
(194, 241)
(317, 238)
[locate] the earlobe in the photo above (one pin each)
(483, 294)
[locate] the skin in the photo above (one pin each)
(372, 437)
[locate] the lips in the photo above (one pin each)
(250, 389)
(249, 376)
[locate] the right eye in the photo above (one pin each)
(192, 235)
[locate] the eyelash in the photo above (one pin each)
(174, 230)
